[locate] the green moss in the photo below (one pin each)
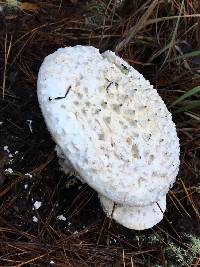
(12, 3)
(195, 244)
(153, 239)
(179, 256)
(197, 188)
(95, 13)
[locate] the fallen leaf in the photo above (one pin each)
(10, 17)
(28, 6)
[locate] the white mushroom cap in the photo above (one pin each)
(135, 217)
(111, 124)
(65, 164)
(63, 161)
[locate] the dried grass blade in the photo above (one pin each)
(136, 28)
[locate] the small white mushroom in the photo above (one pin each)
(113, 129)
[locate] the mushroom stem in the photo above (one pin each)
(135, 217)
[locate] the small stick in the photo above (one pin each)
(61, 97)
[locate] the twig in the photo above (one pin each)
(6, 55)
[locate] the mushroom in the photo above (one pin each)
(110, 126)
(135, 217)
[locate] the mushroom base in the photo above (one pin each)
(135, 217)
(132, 217)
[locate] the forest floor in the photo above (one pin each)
(161, 39)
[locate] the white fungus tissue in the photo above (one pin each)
(9, 170)
(35, 219)
(61, 218)
(110, 126)
(37, 205)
